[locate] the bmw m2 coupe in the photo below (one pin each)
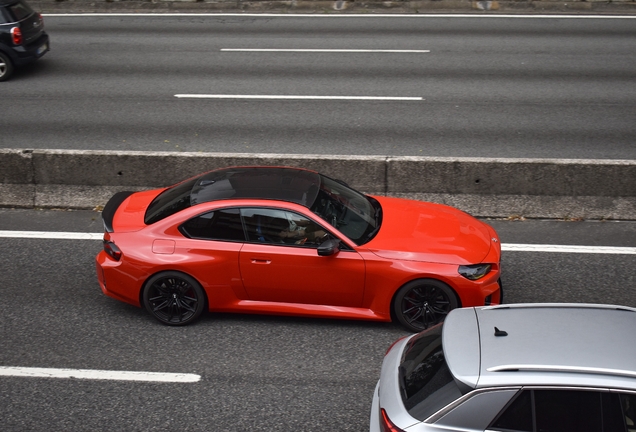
(289, 241)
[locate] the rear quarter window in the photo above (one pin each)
(222, 224)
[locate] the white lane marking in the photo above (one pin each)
(324, 16)
(323, 50)
(279, 97)
(98, 374)
(509, 247)
(52, 235)
(512, 247)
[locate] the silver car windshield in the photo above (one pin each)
(425, 379)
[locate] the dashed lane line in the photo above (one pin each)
(90, 374)
(325, 50)
(297, 97)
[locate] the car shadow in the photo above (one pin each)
(212, 318)
(33, 70)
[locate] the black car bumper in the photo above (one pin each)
(33, 51)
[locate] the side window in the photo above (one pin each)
(554, 411)
(222, 224)
(476, 411)
(517, 416)
(628, 404)
(274, 226)
(568, 410)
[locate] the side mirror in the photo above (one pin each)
(329, 247)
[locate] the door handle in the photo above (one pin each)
(260, 261)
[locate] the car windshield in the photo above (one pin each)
(356, 215)
(425, 379)
(20, 11)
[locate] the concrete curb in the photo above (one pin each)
(336, 7)
(533, 188)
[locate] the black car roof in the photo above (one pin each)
(277, 183)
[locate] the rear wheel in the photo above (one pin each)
(174, 298)
(6, 67)
(423, 303)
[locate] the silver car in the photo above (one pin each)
(521, 367)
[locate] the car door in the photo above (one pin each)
(211, 243)
(277, 267)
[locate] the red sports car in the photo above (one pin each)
(289, 241)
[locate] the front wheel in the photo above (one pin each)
(174, 298)
(423, 303)
(6, 67)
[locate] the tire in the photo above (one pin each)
(174, 298)
(423, 303)
(6, 67)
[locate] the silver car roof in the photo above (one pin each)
(542, 344)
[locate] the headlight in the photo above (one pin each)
(474, 272)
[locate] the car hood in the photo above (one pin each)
(422, 231)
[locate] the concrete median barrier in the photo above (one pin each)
(332, 6)
(539, 188)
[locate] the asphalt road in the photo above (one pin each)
(257, 372)
(487, 87)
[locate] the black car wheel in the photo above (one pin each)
(423, 303)
(174, 298)
(6, 67)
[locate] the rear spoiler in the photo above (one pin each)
(111, 207)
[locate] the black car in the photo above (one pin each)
(22, 36)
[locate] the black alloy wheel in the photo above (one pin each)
(174, 298)
(423, 303)
(6, 67)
